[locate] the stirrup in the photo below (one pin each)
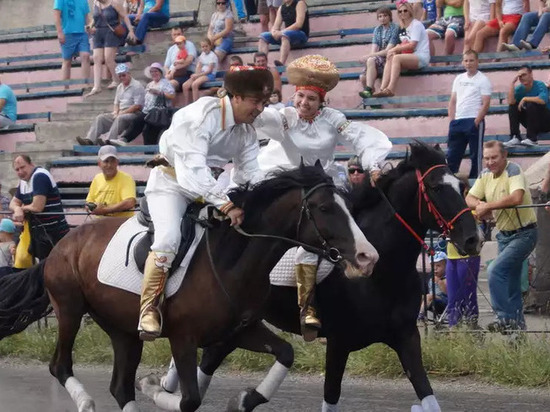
(149, 335)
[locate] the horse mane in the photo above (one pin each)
(256, 198)
(422, 155)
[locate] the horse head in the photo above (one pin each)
(441, 205)
(304, 205)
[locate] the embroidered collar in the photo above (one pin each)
(311, 120)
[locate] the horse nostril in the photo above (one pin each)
(363, 259)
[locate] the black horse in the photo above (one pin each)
(383, 308)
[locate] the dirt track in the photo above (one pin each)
(29, 388)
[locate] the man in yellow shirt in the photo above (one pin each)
(112, 192)
(502, 185)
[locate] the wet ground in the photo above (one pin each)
(29, 388)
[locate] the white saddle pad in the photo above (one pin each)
(113, 271)
(283, 273)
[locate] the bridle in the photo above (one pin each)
(328, 252)
(445, 225)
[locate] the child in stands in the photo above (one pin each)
(206, 71)
(436, 301)
(275, 101)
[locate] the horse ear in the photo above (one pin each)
(318, 165)
(302, 165)
(437, 146)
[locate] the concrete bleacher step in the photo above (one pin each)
(78, 115)
(40, 146)
(61, 131)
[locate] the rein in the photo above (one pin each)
(446, 226)
(326, 250)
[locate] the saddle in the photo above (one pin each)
(187, 230)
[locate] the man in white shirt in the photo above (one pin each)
(173, 50)
(470, 100)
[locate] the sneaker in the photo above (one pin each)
(118, 142)
(497, 326)
(365, 94)
(528, 142)
(84, 142)
(514, 141)
(510, 47)
(525, 45)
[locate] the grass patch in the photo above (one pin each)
(490, 359)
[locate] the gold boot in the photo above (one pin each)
(306, 276)
(152, 297)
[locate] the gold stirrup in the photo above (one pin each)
(152, 298)
(306, 276)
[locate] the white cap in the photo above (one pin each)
(107, 151)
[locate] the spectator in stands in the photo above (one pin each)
(502, 184)
(386, 36)
(430, 11)
(7, 243)
(539, 20)
(4, 201)
(107, 14)
(418, 8)
(241, 12)
(131, 6)
(294, 15)
(476, 15)
(172, 57)
(184, 64)
(356, 173)
(8, 105)
(437, 301)
(129, 100)
(260, 60)
(276, 100)
(112, 192)
(71, 22)
(206, 72)
(151, 13)
(507, 17)
(235, 61)
(413, 52)
(220, 30)
(37, 192)
(267, 10)
(529, 106)
(470, 100)
(450, 26)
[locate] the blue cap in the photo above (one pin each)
(121, 68)
(6, 225)
(439, 256)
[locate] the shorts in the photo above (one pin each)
(211, 77)
(294, 36)
(104, 37)
(183, 79)
(379, 62)
(453, 23)
(263, 5)
(423, 60)
(485, 17)
(506, 19)
(75, 43)
(226, 45)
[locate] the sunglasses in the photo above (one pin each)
(402, 11)
(353, 170)
(219, 3)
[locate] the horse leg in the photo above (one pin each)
(336, 360)
(127, 349)
(258, 338)
(410, 354)
(69, 315)
(185, 359)
(211, 359)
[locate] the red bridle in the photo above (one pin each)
(446, 226)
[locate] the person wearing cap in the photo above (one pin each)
(210, 132)
(112, 192)
(129, 100)
(356, 173)
(37, 192)
(308, 132)
(7, 244)
(172, 53)
(436, 295)
(184, 64)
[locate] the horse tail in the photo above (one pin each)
(23, 299)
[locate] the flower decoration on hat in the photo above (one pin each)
(313, 72)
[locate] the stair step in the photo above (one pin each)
(83, 115)
(61, 130)
(43, 146)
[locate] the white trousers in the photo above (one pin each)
(167, 205)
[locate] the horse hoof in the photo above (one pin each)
(87, 406)
(245, 401)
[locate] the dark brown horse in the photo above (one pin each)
(382, 308)
(301, 204)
